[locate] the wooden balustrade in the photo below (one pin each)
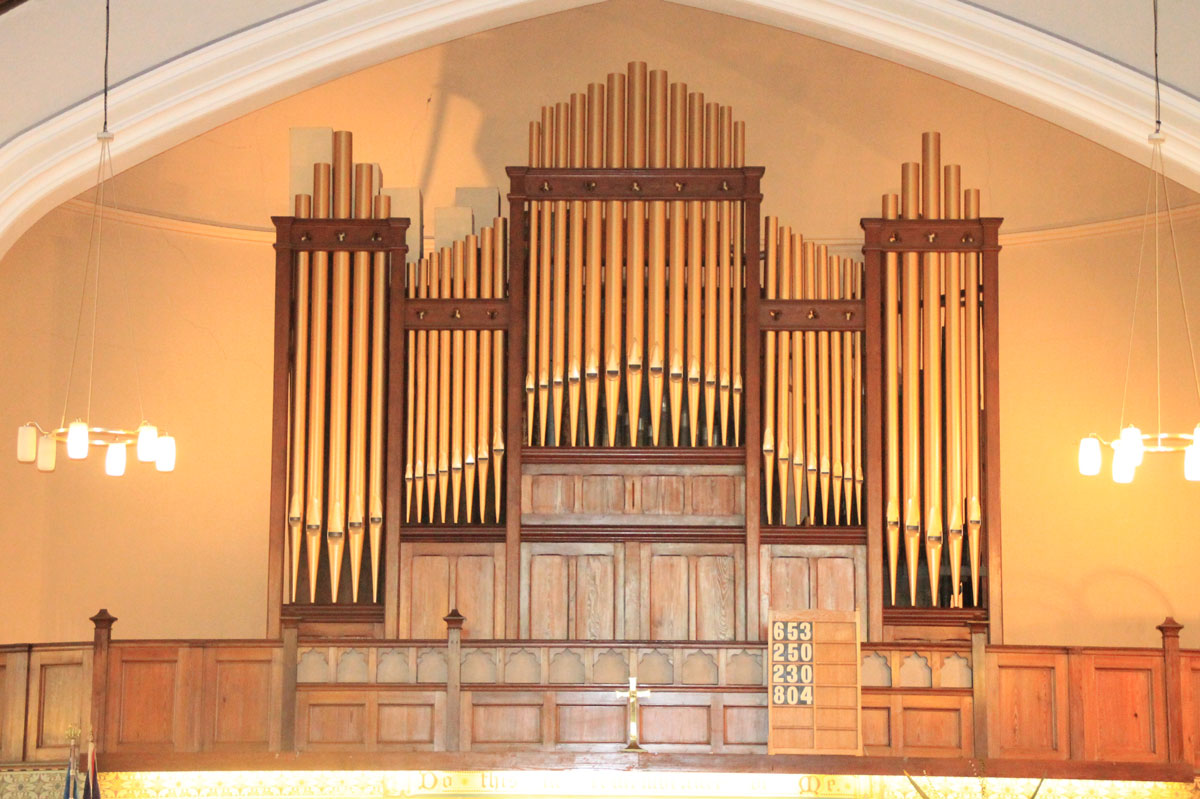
(1062, 711)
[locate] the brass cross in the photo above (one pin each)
(632, 695)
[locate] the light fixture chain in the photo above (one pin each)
(1157, 87)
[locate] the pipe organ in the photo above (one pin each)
(812, 442)
(337, 313)
(650, 288)
(939, 339)
(634, 409)
(454, 413)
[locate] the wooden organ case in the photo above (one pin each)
(605, 439)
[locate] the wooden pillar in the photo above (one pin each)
(752, 364)
(990, 263)
(515, 413)
(979, 686)
(102, 622)
(1173, 677)
(454, 624)
(873, 368)
(287, 712)
(280, 392)
(397, 359)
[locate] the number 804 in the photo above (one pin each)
(791, 695)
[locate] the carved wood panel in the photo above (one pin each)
(804, 576)
(434, 578)
(58, 697)
(1028, 715)
(633, 495)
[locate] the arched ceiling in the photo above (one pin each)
(235, 57)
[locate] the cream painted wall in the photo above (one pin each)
(831, 126)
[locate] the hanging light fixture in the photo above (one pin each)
(38, 444)
(1131, 444)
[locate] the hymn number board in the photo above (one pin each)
(813, 686)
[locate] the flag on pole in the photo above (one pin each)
(69, 786)
(91, 785)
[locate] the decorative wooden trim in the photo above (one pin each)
(812, 315)
(926, 617)
(584, 457)
(653, 762)
(563, 183)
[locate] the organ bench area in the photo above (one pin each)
(536, 493)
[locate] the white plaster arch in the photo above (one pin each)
(1061, 82)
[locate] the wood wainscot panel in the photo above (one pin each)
(633, 494)
(435, 577)
(154, 695)
(743, 722)
(518, 720)
(811, 576)
(242, 697)
(58, 696)
(410, 721)
(931, 723)
(692, 592)
(14, 671)
(1191, 707)
(370, 720)
(572, 591)
(337, 720)
(1028, 714)
(591, 721)
(676, 722)
(1124, 712)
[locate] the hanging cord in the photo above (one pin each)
(1158, 91)
(107, 20)
(1137, 291)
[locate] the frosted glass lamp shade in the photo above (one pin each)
(77, 440)
(27, 443)
(47, 450)
(147, 439)
(164, 459)
(114, 460)
(1123, 463)
(1089, 456)
(1191, 462)
(1132, 438)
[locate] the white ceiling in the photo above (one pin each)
(56, 46)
